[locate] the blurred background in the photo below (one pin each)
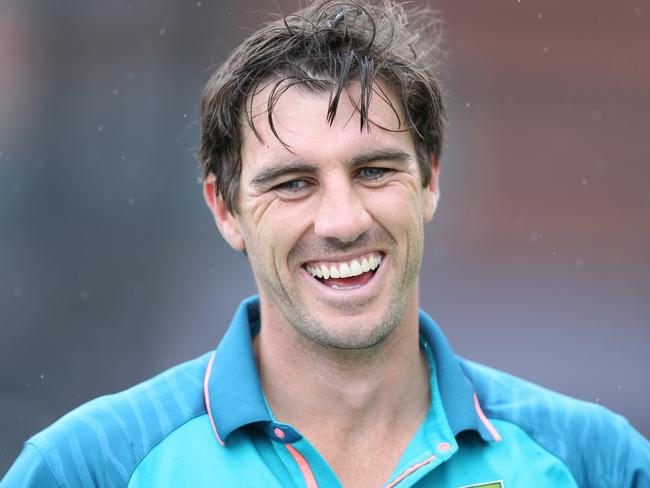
(537, 263)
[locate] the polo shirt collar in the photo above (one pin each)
(232, 388)
(234, 396)
(456, 390)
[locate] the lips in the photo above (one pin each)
(346, 274)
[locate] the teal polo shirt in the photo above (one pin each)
(206, 423)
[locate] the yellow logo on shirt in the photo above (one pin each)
(489, 484)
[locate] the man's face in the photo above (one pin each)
(333, 225)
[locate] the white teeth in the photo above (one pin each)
(346, 269)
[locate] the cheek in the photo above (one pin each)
(278, 232)
(398, 209)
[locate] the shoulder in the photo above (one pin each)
(599, 447)
(534, 407)
(102, 441)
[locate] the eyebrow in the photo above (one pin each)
(393, 155)
(274, 171)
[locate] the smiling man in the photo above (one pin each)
(342, 274)
(338, 284)
(321, 140)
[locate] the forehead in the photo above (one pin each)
(299, 118)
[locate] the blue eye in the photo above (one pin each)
(291, 186)
(372, 173)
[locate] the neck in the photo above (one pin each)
(331, 392)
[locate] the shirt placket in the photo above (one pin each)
(306, 466)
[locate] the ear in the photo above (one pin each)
(431, 193)
(227, 223)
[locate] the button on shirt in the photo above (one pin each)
(206, 423)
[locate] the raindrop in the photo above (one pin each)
(131, 201)
(115, 91)
(584, 181)
(467, 104)
(637, 11)
(163, 32)
(42, 376)
(545, 49)
(539, 15)
(198, 4)
(100, 128)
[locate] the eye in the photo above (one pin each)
(373, 174)
(292, 187)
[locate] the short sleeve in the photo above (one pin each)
(29, 470)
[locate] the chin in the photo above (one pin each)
(351, 331)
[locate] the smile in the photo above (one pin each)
(345, 274)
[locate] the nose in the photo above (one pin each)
(341, 214)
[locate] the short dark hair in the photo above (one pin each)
(325, 46)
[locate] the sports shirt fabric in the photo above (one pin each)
(206, 423)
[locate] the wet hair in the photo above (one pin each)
(326, 46)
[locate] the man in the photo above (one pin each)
(321, 140)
